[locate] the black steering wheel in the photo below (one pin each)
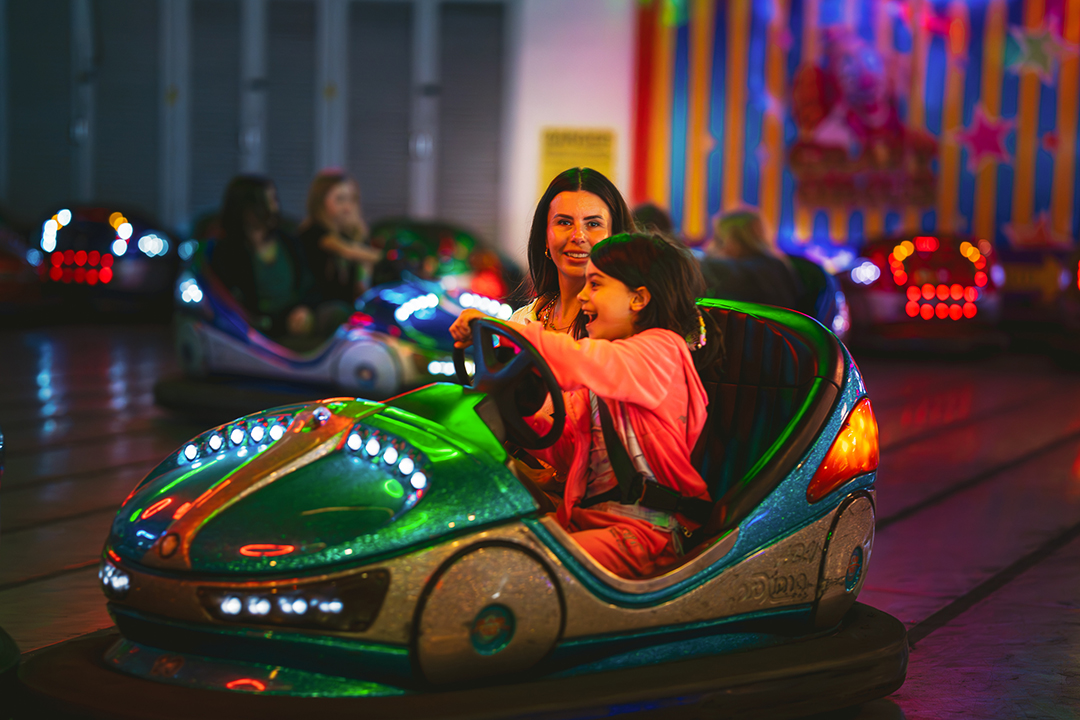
(507, 380)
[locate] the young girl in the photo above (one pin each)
(638, 364)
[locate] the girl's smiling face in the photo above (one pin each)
(577, 220)
(611, 306)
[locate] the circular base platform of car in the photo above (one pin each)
(220, 399)
(865, 659)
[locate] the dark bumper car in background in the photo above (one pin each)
(101, 260)
(925, 293)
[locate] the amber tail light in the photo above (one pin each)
(853, 452)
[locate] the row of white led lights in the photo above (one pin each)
(486, 305)
(388, 454)
(115, 580)
(260, 605)
(237, 436)
(446, 367)
(150, 244)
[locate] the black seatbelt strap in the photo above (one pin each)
(635, 487)
(630, 480)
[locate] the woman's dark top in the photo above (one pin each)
(285, 282)
(334, 276)
(759, 278)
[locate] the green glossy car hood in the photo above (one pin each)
(335, 502)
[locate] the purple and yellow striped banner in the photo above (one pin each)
(714, 122)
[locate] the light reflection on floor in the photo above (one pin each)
(978, 507)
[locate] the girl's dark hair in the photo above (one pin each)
(246, 201)
(542, 271)
(673, 278)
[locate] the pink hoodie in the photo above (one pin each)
(651, 374)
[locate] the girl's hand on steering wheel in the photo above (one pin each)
(460, 330)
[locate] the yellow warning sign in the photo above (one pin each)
(563, 148)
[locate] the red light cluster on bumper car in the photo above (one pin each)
(942, 301)
(70, 266)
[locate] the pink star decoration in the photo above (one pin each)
(985, 140)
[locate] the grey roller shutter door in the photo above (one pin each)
(471, 40)
(380, 53)
(215, 100)
(290, 117)
(39, 83)
(126, 157)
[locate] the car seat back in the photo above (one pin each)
(769, 396)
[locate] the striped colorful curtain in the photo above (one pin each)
(847, 119)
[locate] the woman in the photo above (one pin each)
(580, 208)
(262, 268)
(333, 235)
(635, 403)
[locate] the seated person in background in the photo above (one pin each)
(635, 404)
(261, 267)
(741, 264)
(333, 235)
(649, 217)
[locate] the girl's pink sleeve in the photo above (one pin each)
(638, 369)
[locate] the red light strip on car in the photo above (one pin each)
(266, 550)
(244, 683)
(156, 507)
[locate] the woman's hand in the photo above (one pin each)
(460, 330)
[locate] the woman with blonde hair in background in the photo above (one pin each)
(742, 264)
(333, 237)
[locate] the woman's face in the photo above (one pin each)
(577, 220)
(342, 206)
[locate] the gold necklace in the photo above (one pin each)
(546, 314)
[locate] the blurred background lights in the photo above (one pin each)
(190, 292)
(416, 305)
(153, 245)
(124, 230)
(230, 605)
(63, 217)
(119, 247)
(486, 305)
(865, 272)
(258, 605)
(187, 249)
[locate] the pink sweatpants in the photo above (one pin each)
(628, 547)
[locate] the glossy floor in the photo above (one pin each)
(978, 539)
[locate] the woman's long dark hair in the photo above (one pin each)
(246, 200)
(673, 278)
(543, 274)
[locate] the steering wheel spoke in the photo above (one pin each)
(501, 380)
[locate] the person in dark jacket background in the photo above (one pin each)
(741, 264)
(260, 266)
